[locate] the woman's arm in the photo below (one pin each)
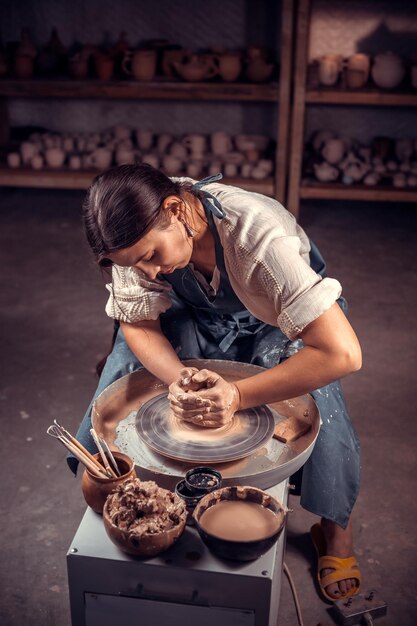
(152, 348)
(331, 351)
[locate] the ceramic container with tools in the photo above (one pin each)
(96, 489)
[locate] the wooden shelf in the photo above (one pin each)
(337, 191)
(135, 90)
(363, 97)
(72, 179)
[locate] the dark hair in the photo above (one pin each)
(123, 204)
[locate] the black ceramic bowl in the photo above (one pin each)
(239, 550)
(203, 480)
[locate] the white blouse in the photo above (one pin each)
(266, 256)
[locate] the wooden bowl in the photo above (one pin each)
(148, 545)
(96, 490)
(239, 550)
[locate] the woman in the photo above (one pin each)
(204, 270)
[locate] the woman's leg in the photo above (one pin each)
(331, 476)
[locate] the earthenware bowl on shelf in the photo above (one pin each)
(256, 522)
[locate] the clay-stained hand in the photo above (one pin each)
(180, 397)
(212, 405)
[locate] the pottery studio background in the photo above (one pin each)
(53, 324)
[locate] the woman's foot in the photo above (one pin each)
(339, 543)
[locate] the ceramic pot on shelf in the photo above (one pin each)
(23, 66)
(78, 66)
(55, 157)
(258, 70)
(220, 143)
(196, 68)
(330, 66)
(104, 66)
(141, 64)
(357, 70)
(388, 70)
(229, 66)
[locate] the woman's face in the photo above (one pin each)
(157, 252)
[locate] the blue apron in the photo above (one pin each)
(201, 326)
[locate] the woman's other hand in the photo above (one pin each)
(212, 404)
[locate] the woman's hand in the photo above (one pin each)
(211, 403)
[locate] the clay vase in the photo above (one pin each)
(55, 157)
(26, 47)
(220, 143)
(101, 158)
(78, 66)
(333, 150)
(23, 66)
(325, 172)
(140, 64)
(388, 70)
(230, 66)
(359, 62)
(95, 490)
(259, 70)
(170, 56)
(330, 66)
(196, 68)
(104, 65)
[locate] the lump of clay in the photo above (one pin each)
(143, 508)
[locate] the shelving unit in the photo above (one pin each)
(303, 96)
(275, 93)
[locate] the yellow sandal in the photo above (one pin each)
(343, 568)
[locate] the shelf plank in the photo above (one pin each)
(135, 90)
(364, 97)
(73, 179)
(337, 191)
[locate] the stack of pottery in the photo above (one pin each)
(387, 161)
(194, 154)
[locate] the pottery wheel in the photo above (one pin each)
(114, 418)
(172, 437)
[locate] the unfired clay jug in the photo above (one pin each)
(196, 68)
(258, 70)
(388, 70)
(230, 66)
(104, 65)
(325, 172)
(140, 64)
(55, 157)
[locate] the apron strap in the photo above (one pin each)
(209, 201)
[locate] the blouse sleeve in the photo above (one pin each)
(300, 294)
(267, 259)
(134, 298)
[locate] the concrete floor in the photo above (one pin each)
(53, 330)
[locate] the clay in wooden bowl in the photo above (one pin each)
(239, 523)
(143, 519)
